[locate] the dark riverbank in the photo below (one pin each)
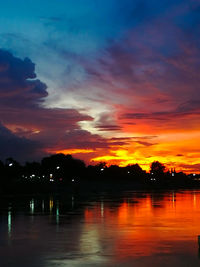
(61, 173)
(85, 187)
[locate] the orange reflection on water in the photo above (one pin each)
(149, 224)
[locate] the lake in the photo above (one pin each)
(127, 229)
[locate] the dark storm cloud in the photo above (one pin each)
(18, 84)
(16, 147)
(80, 139)
(31, 127)
(43, 118)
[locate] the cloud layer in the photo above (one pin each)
(28, 127)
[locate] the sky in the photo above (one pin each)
(103, 80)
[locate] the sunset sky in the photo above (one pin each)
(103, 80)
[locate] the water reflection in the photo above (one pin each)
(43, 205)
(194, 199)
(72, 202)
(157, 224)
(9, 224)
(102, 208)
(57, 213)
(173, 199)
(32, 206)
(134, 229)
(50, 205)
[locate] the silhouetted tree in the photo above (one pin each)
(136, 173)
(46, 177)
(13, 171)
(32, 168)
(157, 168)
(62, 167)
(135, 169)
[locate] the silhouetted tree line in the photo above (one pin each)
(59, 172)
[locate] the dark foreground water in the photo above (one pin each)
(131, 229)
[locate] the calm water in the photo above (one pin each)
(133, 229)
